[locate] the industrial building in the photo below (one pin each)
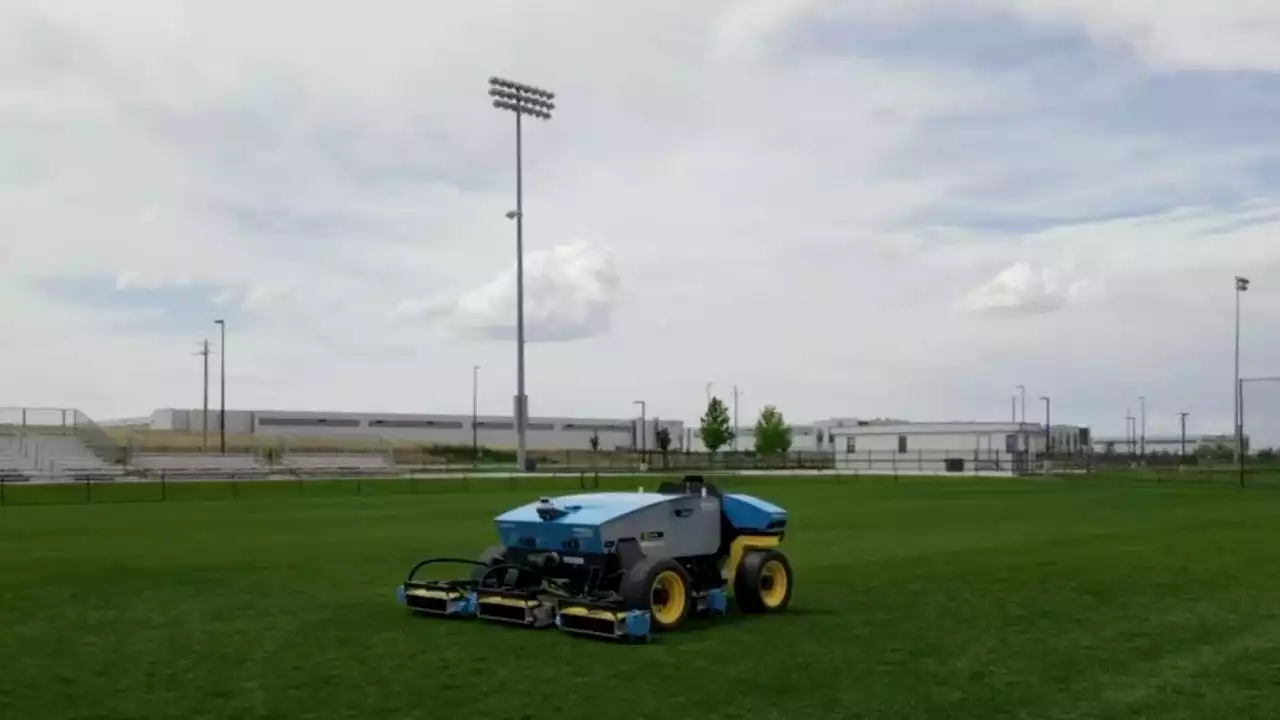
(1162, 444)
(541, 433)
(878, 447)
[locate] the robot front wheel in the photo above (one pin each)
(663, 587)
(763, 582)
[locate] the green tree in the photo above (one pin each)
(663, 438)
(773, 436)
(716, 429)
(595, 441)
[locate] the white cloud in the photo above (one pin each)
(795, 217)
(570, 292)
(1023, 289)
(1237, 35)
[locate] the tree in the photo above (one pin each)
(595, 441)
(716, 430)
(663, 438)
(773, 437)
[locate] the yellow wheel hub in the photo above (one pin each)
(667, 598)
(773, 584)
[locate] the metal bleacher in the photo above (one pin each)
(50, 456)
(338, 463)
(51, 444)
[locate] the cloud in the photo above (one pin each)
(570, 293)
(792, 192)
(1023, 289)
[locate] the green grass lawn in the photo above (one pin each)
(922, 599)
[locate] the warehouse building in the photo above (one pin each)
(951, 447)
(1162, 444)
(541, 433)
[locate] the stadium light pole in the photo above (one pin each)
(222, 383)
(1182, 421)
(520, 100)
(1242, 285)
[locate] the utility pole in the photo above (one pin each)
(521, 100)
(204, 418)
(735, 418)
(1182, 420)
(475, 432)
(222, 383)
(1142, 410)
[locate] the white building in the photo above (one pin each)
(542, 433)
(951, 446)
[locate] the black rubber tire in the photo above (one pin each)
(747, 581)
(638, 586)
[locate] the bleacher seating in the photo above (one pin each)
(198, 465)
(339, 463)
(37, 456)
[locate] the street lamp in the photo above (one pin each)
(1242, 285)
(222, 383)
(475, 432)
(644, 430)
(521, 100)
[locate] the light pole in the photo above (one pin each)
(521, 100)
(1022, 390)
(204, 419)
(709, 392)
(1142, 442)
(644, 430)
(222, 383)
(1242, 285)
(475, 432)
(1048, 440)
(1129, 431)
(1182, 421)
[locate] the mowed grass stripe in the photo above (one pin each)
(914, 599)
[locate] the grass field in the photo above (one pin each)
(920, 599)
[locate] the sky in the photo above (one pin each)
(844, 209)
